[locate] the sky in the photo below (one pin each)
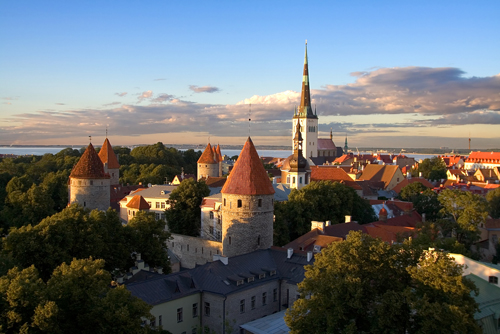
(385, 73)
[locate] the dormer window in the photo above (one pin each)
(251, 279)
(239, 282)
(261, 276)
(272, 273)
(493, 279)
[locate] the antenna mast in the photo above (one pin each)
(249, 119)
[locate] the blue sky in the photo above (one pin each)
(391, 73)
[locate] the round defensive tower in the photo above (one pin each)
(247, 205)
(89, 185)
(207, 165)
(110, 162)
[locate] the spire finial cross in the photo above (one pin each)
(90, 138)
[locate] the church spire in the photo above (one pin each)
(345, 146)
(305, 97)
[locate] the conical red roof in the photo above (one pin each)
(89, 166)
(207, 157)
(108, 156)
(214, 154)
(248, 176)
(219, 155)
(138, 202)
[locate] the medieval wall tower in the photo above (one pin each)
(207, 164)
(306, 118)
(247, 205)
(110, 162)
(89, 185)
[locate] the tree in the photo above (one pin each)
(148, 237)
(493, 198)
(324, 200)
(433, 169)
(425, 201)
(77, 298)
(463, 213)
(184, 214)
(363, 285)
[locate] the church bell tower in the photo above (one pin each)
(305, 117)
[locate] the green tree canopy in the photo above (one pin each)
(184, 214)
(363, 285)
(324, 200)
(425, 201)
(77, 298)
(463, 212)
(433, 169)
(493, 198)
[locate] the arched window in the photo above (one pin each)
(239, 203)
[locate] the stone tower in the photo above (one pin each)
(247, 205)
(299, 171)
(89, 185)
(306, 118)
(110, 162)
(207, 165)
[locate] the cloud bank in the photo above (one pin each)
(443, 95)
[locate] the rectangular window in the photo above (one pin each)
(153, 322)
(493, 279)
(207, 309)
(211, 230)
(275, 295)
(264, 298)
(157, 216)
(163, 205)
(252, 302)
(157, 205)
(211, 215)
(179, 314)
(160, 323)
(195, 310)
(242, 306)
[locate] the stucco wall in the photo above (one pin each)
(168, 313)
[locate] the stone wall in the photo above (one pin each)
(192, 250)
(90, 193)
(205, 170)
(249, 227)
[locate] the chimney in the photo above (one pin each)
(423, 217)
(159, 270)
(328, 223)
(347, 219)
(408, 175)
(309, 256)
(318, 225)
(275, 181)
(138, 256)
(119, 279)
(289, 253)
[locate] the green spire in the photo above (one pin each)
(345, 146)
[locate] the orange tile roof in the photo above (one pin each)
(406, 182)
(138, 202)
(492, 157)
(248, 177)
(389, 233)
(379, 173)
(214, 182)
(107, 155)
(208, 156)
(219, 155)
(332, 173)
(89, 166)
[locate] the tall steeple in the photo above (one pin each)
(305, 97)
(345, 146)
(306, 117)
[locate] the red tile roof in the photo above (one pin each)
(248, 176)
(214, 182)
(219, 155)
(332, 173)
(89, 166)
(108, 156)
(208, 156)
(138, 202)
(406, 182)
(485, 157)
(389, 233)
